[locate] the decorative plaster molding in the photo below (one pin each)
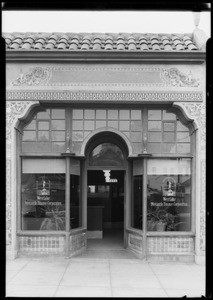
(37, 76)
(42, 75)
(196, 111)
(202, 206)
(8, 201)
(14, 110)
(105, 96)
(176, 78)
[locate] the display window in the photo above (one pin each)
(43, 194)
(169, 195)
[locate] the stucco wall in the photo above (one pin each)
(30, 84)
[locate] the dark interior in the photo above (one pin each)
(109, 196)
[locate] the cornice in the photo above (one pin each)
(106, 56)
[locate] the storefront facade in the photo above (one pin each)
(106, 131)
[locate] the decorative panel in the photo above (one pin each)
(135, 242)
(41, 245)
(165, 245)
(77, 242)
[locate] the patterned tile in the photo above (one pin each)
(99, 42)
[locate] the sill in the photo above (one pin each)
(135, 231)
(73, 155)
(40, 155)
(170, 233)
(40, 232)
(77, 231)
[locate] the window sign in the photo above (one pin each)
(43, 194)
(168, 195)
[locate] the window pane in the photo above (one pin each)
(77, 136)
(154, 114)
(135, 136)
(183, 148)
(29, 136)
(181, 127)
(169, 126)
(154, 125)
(135, 114)
(89, 114)
(42, 125)
(106, 154)
(183, 137)
(112, 114)
(43, 135)
(42, 195)
(168, 137)
(77, 125)
(58, 124)
(101, 114)
(77, 114)
(154, 147)
(168, 116)
(124, 114)
(136, 125)
(169, 195)
(113, 124)
(99, 124)
(154, 136)
(124, 125)
(169, 148)
(58, 135)
(58, 146)
(58, 113)
(31, 125)
(44, 114)
(89, 125)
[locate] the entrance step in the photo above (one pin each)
(109, 254)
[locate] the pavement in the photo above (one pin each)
(102, 277)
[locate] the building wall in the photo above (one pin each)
(31, 84)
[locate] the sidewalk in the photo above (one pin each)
(90, 277)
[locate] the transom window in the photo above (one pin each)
(106, 154)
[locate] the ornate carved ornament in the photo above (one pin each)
(105, 96)
(167, 77)
(196, 111)
(177, 78)
(38, 76)
(202, 207)
(14, 110)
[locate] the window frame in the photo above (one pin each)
(68, 121)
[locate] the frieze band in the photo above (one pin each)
(104, 96)
(169, 77)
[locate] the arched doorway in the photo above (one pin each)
(106, 163)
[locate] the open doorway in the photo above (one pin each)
(105, 209)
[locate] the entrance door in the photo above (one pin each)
(105, 208)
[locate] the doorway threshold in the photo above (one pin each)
(108, 254)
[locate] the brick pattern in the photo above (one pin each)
(170, 245)
(41, 244)
(99, 42)
(77, 242)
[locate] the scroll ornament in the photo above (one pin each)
(37, 76)
(176, 78)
